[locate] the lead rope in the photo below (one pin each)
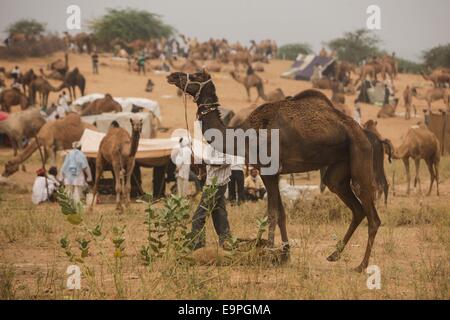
(185, 113)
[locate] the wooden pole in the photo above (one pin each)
(43, 165)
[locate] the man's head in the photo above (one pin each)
(254, 172)
(53, 171)
(40, 172)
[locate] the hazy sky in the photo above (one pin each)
(407, 26)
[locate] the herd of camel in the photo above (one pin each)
(37, 84)
(315, 133)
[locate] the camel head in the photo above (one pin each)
(10, 168)
(198, 85)
(136, 125)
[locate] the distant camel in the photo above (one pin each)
(408, 99)
(387, 111)
(54, 135)
(118, 150)
(420, 143)
(26, 79)
(20, 125)
(72, 80)
(43, 87)
(433, 94)
(60, 66)
(439, 77)
(11, 97)
(149, 86)
(102, 105)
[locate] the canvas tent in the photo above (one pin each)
(303, 67)
(103, 122)
(439, 124)
(148, 148)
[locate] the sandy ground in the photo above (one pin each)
(412, 246)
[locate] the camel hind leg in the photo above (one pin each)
(127, 188)
(271, 184)
(408, 176)
(337, 179)
(362, 177)
(432, 168)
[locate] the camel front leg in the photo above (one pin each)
(130, 168)
(118, 186)
(417, 178)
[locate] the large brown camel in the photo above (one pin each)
(439, 77)
(43, 87)
(420, 143)
(312, 135)
(118, 150)
(53, 135)
(12, 97)
(408, 99)
(20, 125)
(433, 94)
(102, 105)
(72, 80)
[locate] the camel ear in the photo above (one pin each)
(205, 71)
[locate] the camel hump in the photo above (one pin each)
(311, 93)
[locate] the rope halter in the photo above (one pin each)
(200, 84)
(203, 108)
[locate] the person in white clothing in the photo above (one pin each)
(182, 160)
(44, 186)
(76, 172)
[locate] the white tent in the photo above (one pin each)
(126, 103)
(103, 121)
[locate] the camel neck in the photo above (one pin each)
(134, 142)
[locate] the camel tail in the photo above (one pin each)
(388, 148)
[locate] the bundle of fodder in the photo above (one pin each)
(248, 252)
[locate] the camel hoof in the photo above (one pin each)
(358, 269)
(335, 256)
